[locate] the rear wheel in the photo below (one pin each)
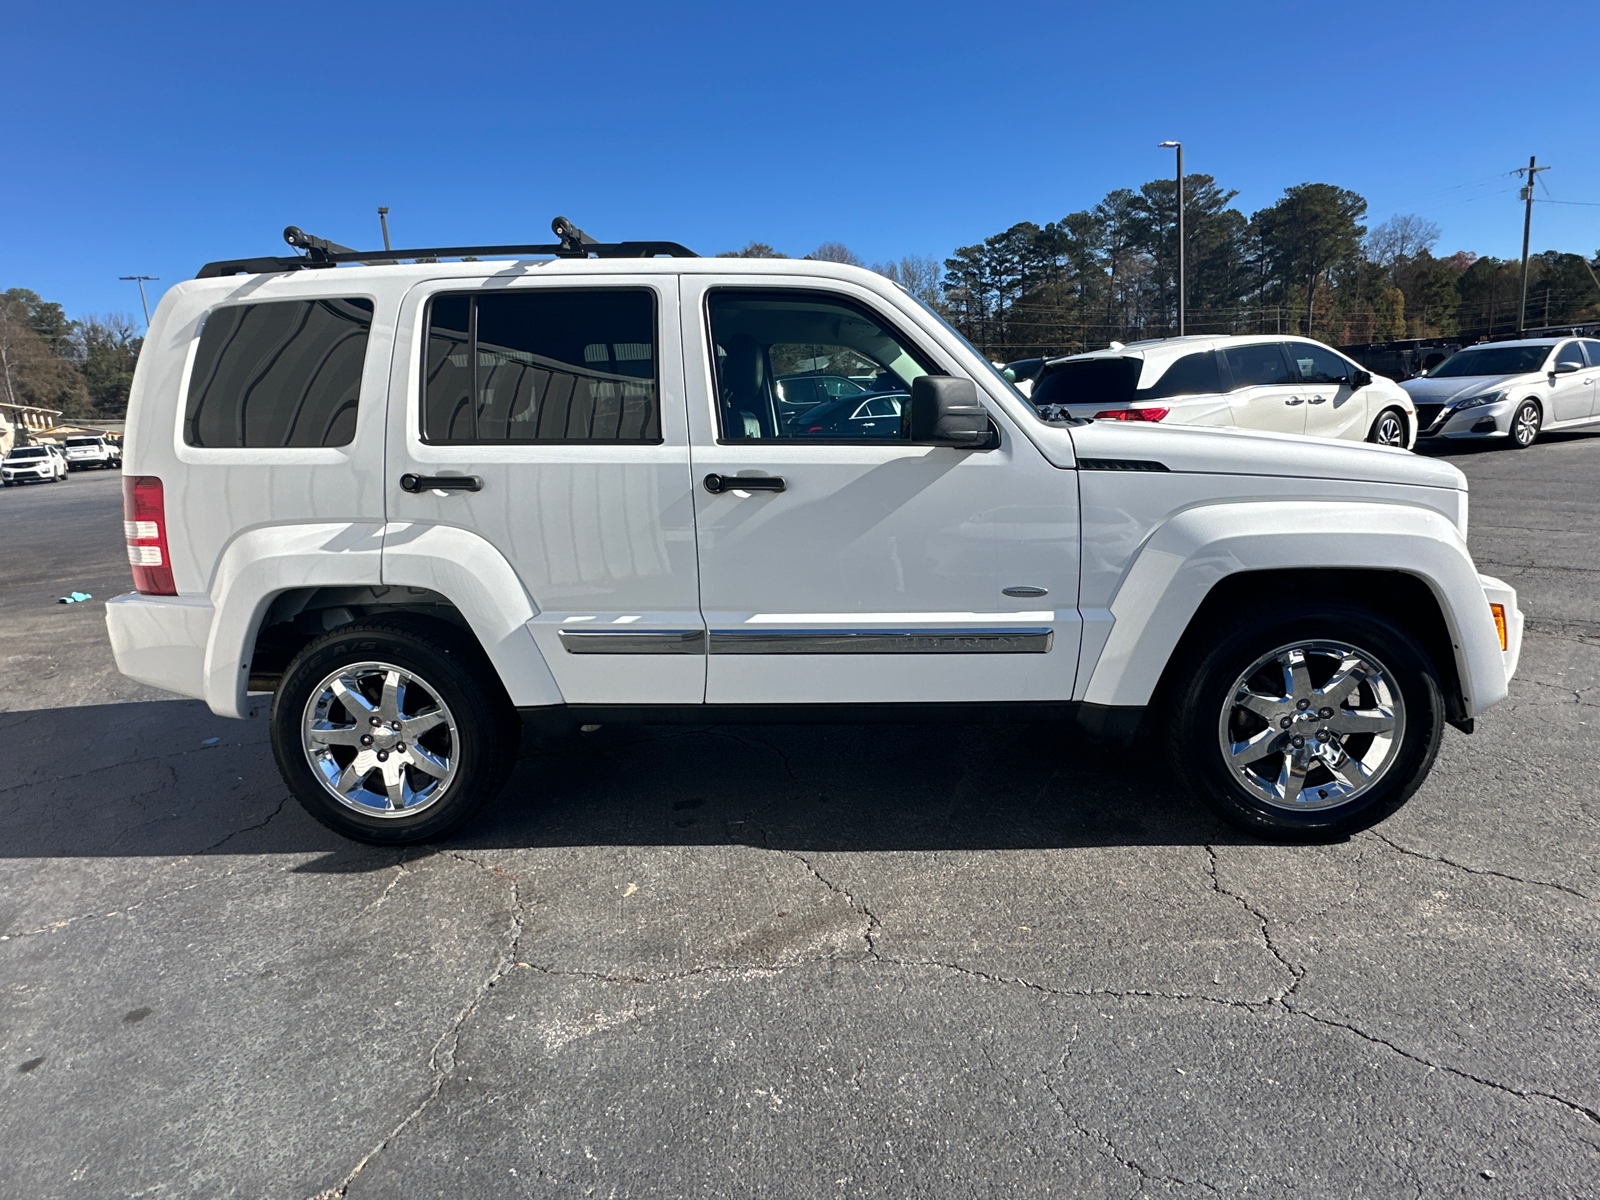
(393, 730)
(1525, 424)
(1308, 723)
(1389, 429)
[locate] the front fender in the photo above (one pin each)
(1189, 554)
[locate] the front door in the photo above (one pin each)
(1333, 407)
(854, 565)
(1571, 386)
(1265, 395)
(564, 396)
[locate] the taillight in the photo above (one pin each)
(1132, 414)
(144, 521)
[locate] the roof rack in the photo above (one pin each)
(319, 252)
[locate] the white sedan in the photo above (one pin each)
(1282, 384)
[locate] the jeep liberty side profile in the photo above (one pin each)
(423, 503)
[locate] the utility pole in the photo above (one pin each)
(383, 223)
(140, 280)
(1178, 146)
(1527, 224)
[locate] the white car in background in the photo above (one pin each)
(1511, 390)
(1276, 383)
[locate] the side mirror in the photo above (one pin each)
(1360, 379)
(1563, 368)
(945, 412)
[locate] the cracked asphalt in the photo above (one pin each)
(811, 962)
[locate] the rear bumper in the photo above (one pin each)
(161, 640)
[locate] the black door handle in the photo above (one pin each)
(453, 483)
(717, 484)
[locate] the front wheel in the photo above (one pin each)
(1308, 723)
(1389, 429)
(1525, 425)
(393, 730)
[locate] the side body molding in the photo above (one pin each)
(258, 565)
(1187, 555)
(482, 585)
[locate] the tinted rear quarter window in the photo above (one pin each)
(280, 373)
(1191, 375)
(545, 365)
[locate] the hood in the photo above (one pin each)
(1225, 450)
(1443, 391)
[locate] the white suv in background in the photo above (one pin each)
(1276, 383)
(1511, 390)
(83, 452)
(423, 503)
(33, 464)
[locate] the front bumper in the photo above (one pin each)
(31, 475)
(161, 640)
(1497, 591)
(1484, 421)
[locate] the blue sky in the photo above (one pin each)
(151, 139)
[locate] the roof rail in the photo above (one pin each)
(319, 252)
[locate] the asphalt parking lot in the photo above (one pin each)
(888, 961)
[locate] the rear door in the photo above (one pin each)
(883, 570)
(1265, 394)
(1333, 407)
(564, 395)
(1591, 349)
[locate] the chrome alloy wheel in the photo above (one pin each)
(1391, 431)
(380, 740)
(1312, 725)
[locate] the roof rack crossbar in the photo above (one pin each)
(321, 253)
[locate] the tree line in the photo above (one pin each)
(1306, 264)
(82, 368)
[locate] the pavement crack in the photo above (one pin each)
(53, 926)
(442, 1058)
(1460, 866)
(248, 828)
(1520, 1093)
(873, 925)
(1296, 973)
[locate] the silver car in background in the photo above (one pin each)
(1510, 390)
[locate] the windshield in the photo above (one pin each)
(28, 452)
(1492, 360)
(955, 333)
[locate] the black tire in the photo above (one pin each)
(1388, 428)
(452, 674)
(1526, 424)
(1199, 696)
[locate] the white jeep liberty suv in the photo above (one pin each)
(419, 500)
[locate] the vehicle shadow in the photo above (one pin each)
(167, 778)
(1468, 449)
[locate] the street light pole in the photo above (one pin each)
(1178, 146)
(145, 304)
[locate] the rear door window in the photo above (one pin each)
(542, 365)
(1570, 355)
(1260, 365)
(1592, 349)
(280, 373)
